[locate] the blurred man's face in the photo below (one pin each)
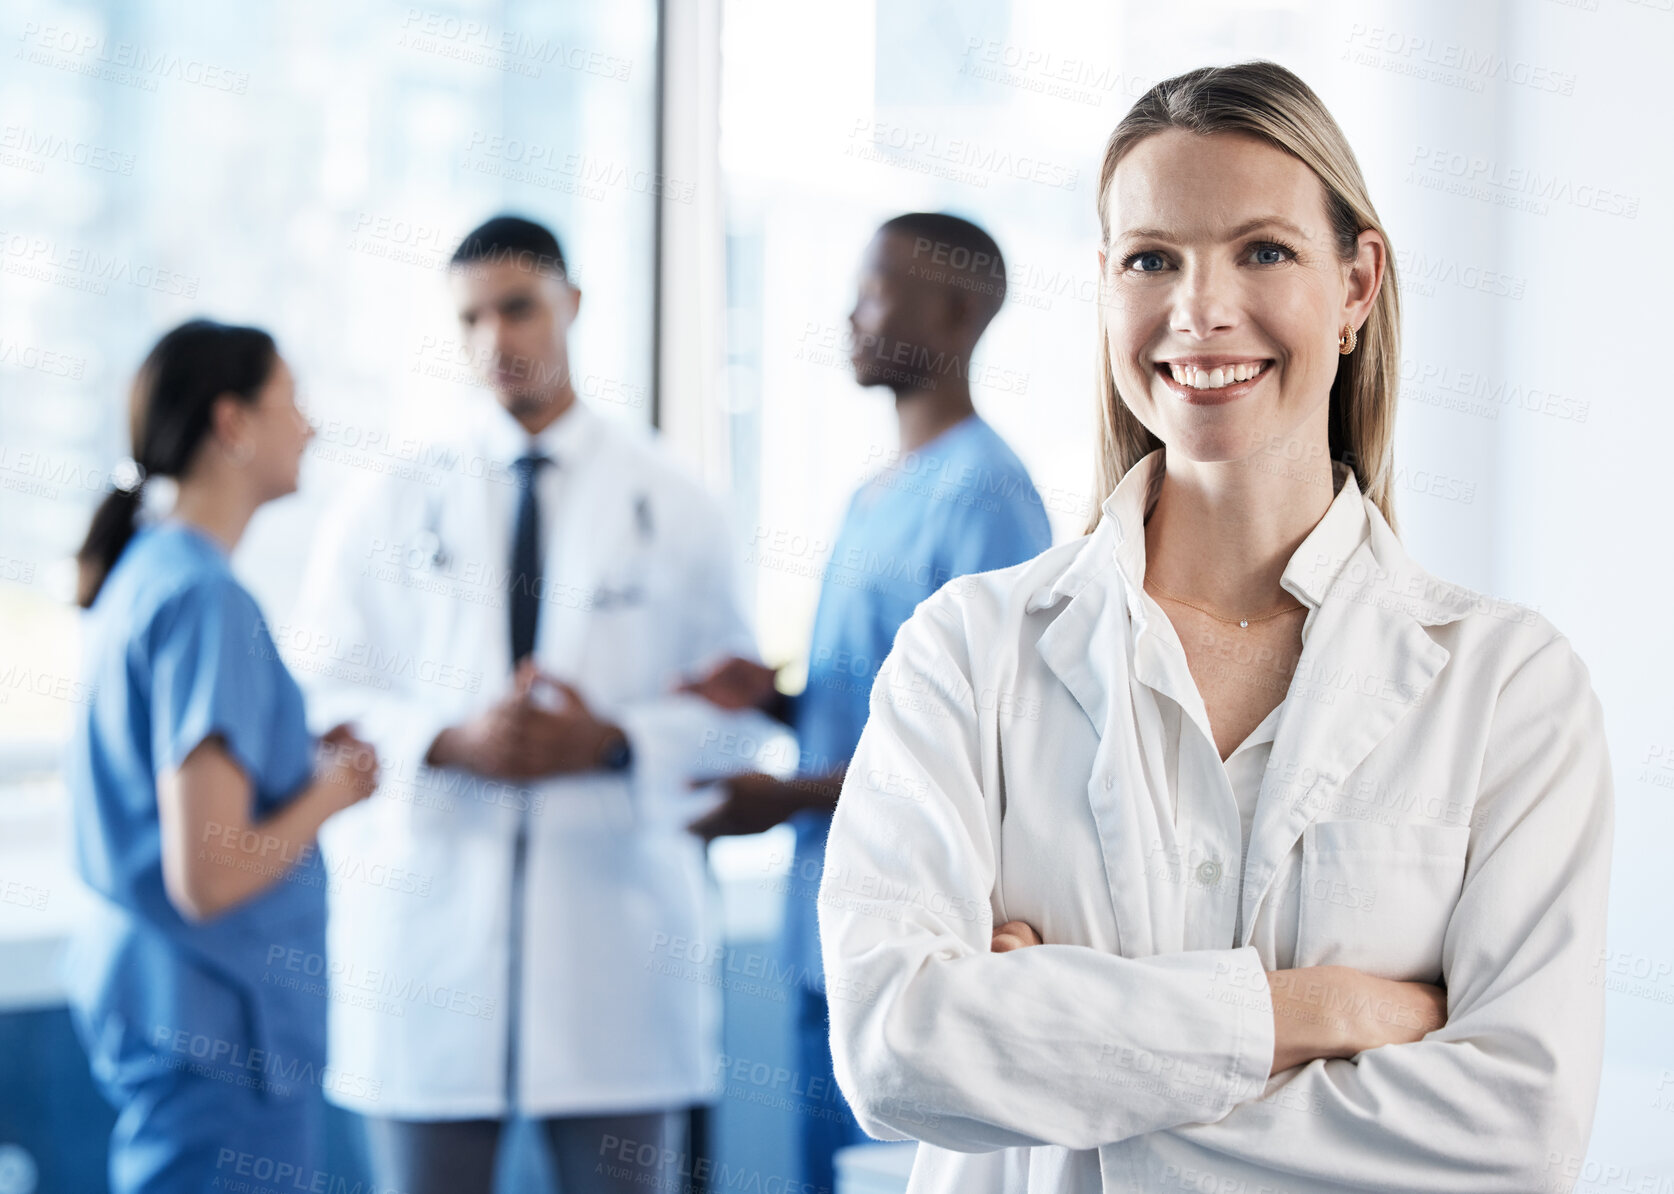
(901, 324)
(515, 319)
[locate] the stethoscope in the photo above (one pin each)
(429, 547)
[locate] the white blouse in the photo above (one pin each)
(1201, 788)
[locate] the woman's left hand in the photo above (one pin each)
(1014, 934)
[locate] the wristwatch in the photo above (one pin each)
(617, 755)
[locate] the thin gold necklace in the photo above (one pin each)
(1240, 622)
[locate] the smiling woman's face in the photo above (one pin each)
(1225, 294)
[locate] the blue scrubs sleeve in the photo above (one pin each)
(213, 674)
(988, 539)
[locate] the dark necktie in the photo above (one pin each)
(525, 583)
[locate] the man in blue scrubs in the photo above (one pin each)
(956, 501)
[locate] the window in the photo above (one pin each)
(308, 169)
(993, 111)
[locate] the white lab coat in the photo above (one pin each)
(404, 631)
(1437, 807)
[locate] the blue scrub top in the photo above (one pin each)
(961, 503)
(175, 650)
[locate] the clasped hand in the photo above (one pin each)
(527, 734)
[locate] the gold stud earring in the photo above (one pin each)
(1346, 339)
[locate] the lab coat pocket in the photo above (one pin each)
(606, 635)
(625, 578)
(622, 654)
(1379, 897)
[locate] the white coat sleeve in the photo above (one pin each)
(675, 737)
(352, 631)
(936, 1038)
(1500, 1100)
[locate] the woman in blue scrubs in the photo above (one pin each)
(198, 791)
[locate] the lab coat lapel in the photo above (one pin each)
(1366, 664)
(1081, 634)
(1088, 636)
(1085, 648)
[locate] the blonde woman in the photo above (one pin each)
(1225, 848)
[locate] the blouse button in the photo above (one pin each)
(1208, 873)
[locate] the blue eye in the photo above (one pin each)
(1271, 254)
(1139, 262)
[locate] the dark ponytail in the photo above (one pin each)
(169, 411)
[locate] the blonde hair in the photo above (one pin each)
(1266, 101)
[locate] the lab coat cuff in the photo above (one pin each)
(651, 771)
(1241, 984)
(682, 738)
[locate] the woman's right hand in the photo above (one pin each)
(1337, 1011)
(347, 766)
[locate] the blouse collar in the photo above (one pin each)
(1313, 566)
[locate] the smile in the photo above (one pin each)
(1220, 382)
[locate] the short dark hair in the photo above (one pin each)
(511, 238)
(961, 248)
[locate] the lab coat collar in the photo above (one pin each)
(565, 440)
(1366, 661)
(1350, 524)
(1312, 567)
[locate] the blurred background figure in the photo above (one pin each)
(956, 501)
(520, 625)
(196, 789)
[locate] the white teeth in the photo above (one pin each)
(1212, 379)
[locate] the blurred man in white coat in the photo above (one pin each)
(511, 915)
